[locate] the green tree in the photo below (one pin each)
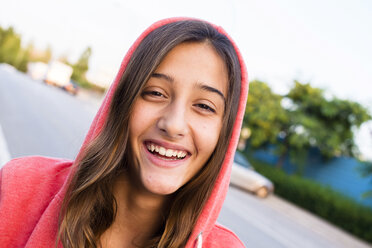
(317, 122)
(264, 115)
(22, 59)
(11, 50)
(300, 120)
(10, 46)
(81, 66)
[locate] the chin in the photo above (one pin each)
(160, 187)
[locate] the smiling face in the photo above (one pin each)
(176, 121)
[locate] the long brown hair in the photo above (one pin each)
(89, 207)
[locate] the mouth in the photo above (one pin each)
(165, 153)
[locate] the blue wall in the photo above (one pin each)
(340, 173)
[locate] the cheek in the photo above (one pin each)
(137, 127)
(140, 120)
(207, 134)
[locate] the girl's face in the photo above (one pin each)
(177, 119)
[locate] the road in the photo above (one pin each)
(273, 222)
(38, 119)
(43, 120)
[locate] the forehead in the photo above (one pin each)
(195, 62)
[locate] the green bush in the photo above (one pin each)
(320, 200)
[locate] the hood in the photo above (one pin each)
(213, 205)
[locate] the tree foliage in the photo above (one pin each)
(326, 124)
(264, 115)
(307, 120)
(11, 51)
(81, 66)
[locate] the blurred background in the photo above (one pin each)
(306, 142)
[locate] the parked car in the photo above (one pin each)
(244, 176)
(71, 88)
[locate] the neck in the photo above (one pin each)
(138, 202)
(139, 214)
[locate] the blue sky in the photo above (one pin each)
(327, 43)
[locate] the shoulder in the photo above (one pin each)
(28, 186)
(34, 174)
(34, 165)
(221, 236)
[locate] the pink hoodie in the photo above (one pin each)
(32, 188)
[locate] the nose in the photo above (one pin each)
(173, 121)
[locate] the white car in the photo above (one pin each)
(244, 176)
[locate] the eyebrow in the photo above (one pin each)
(163, 76)
(200, 85)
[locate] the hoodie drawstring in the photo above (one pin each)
(199, 241)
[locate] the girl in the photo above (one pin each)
(154, 168)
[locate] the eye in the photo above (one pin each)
(152, 93)
(205, 107)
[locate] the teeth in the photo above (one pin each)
(169, 153)
(162, 151)
(166, 152)
(181, 154)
